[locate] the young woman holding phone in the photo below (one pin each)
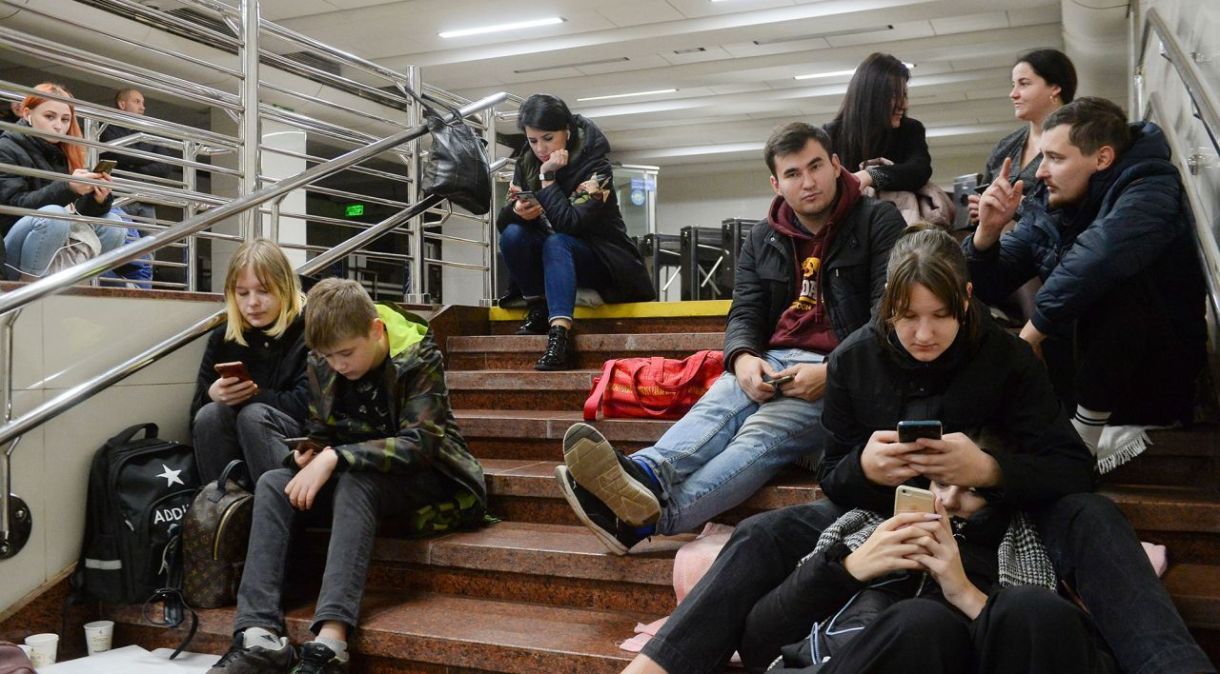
(252, 389)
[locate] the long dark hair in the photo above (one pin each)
(1055, 67)
(547, 113)
(928, 256)
(862, 127)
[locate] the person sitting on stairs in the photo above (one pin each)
(385, 444)
(562, 227)
(807, 277)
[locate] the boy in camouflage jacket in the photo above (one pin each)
(384, 443)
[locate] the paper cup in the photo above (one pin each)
(42, 648)
(98, 635)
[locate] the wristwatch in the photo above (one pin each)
(547, 175)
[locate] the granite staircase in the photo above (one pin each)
(537, 593)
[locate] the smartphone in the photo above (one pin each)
(979, 189)
(233, 369)
(910, 431)
(304, 444)
(780, 381)
(913, 500)
(105, 166)
(527, 196)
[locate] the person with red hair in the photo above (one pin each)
(32, 241)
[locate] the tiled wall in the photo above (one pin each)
(60, 342)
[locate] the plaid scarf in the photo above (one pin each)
(1022, 557)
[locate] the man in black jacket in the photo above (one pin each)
(807, 277)
(132, 101)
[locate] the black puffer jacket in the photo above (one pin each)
(853, 275)
(1133, 222)
(997, 392)
(127, 162)
(29, 192)
(277, 365)
(598, 223)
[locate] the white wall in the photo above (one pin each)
(61, 342)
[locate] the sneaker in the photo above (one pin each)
(616, 535)
(318, 658)
(256, 659)
(617, 481)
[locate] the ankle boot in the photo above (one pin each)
(558, 354)
(536, 319)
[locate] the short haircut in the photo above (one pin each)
(1095, 122)
(337, 309)
(273, 270)
(122, 94)
(1055, 67)
(793, 137)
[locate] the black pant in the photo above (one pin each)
(1022, 630)
(1128, 358)
(705, 629)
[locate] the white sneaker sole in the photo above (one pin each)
(594, 465)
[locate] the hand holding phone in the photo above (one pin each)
(527, 197)
(304, 445)
(233, 369)
(780, 381)
(105, 166)
(909, 499)
(912, 430)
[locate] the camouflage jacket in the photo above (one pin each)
(428, 436)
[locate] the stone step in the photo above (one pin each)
(426, 632)
(538, 434)
(520, 352)
(519, 389)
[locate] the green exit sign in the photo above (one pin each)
(353, 210)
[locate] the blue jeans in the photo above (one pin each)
(34, 239)
(1093, 547)
(551, 264)
(728, 446)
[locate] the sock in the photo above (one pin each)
(1089, 424)
(656, 484)
(339, 647)
(257, 637)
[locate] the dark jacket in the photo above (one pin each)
(126, 162)
(428, 435)
(276, 364)
(906, 146)
(599, 223)
(1134, 222)
(852, 276)
(998, 393)
(29, 192)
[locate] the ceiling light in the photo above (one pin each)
(549, 21)
(634, 93)
(617, 59)
(814, 36)
(838, 73)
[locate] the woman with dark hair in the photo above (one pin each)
(562, 228)
(930, 354)
(1043, 81)
(873, 135)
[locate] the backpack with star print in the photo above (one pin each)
(139, 492)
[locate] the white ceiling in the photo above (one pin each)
(731, 91)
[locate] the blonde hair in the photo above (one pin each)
(338, 309)
(274, 272)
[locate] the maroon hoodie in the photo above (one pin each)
(805, 324)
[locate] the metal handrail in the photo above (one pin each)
(61, 280)
(1202, 96)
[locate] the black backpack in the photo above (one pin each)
(139, 491)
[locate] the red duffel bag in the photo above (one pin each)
(656, 388)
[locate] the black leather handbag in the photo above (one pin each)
(456, 167)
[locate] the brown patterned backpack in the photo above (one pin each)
(214, 539)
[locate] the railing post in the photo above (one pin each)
(189, 151)
(418, 294)
(489, 230)
(16, 520)
(250, 135)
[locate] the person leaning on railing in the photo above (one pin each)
(33, 241)
(569, 232)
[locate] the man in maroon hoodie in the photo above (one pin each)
(807, 277)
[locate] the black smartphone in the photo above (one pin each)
(304, 444)
(527, 196)
(912, 430)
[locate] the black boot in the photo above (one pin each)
(558, 354)
(536, 319)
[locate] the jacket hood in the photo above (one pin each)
(402, 328)
(1148, 155)
(783, 220)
